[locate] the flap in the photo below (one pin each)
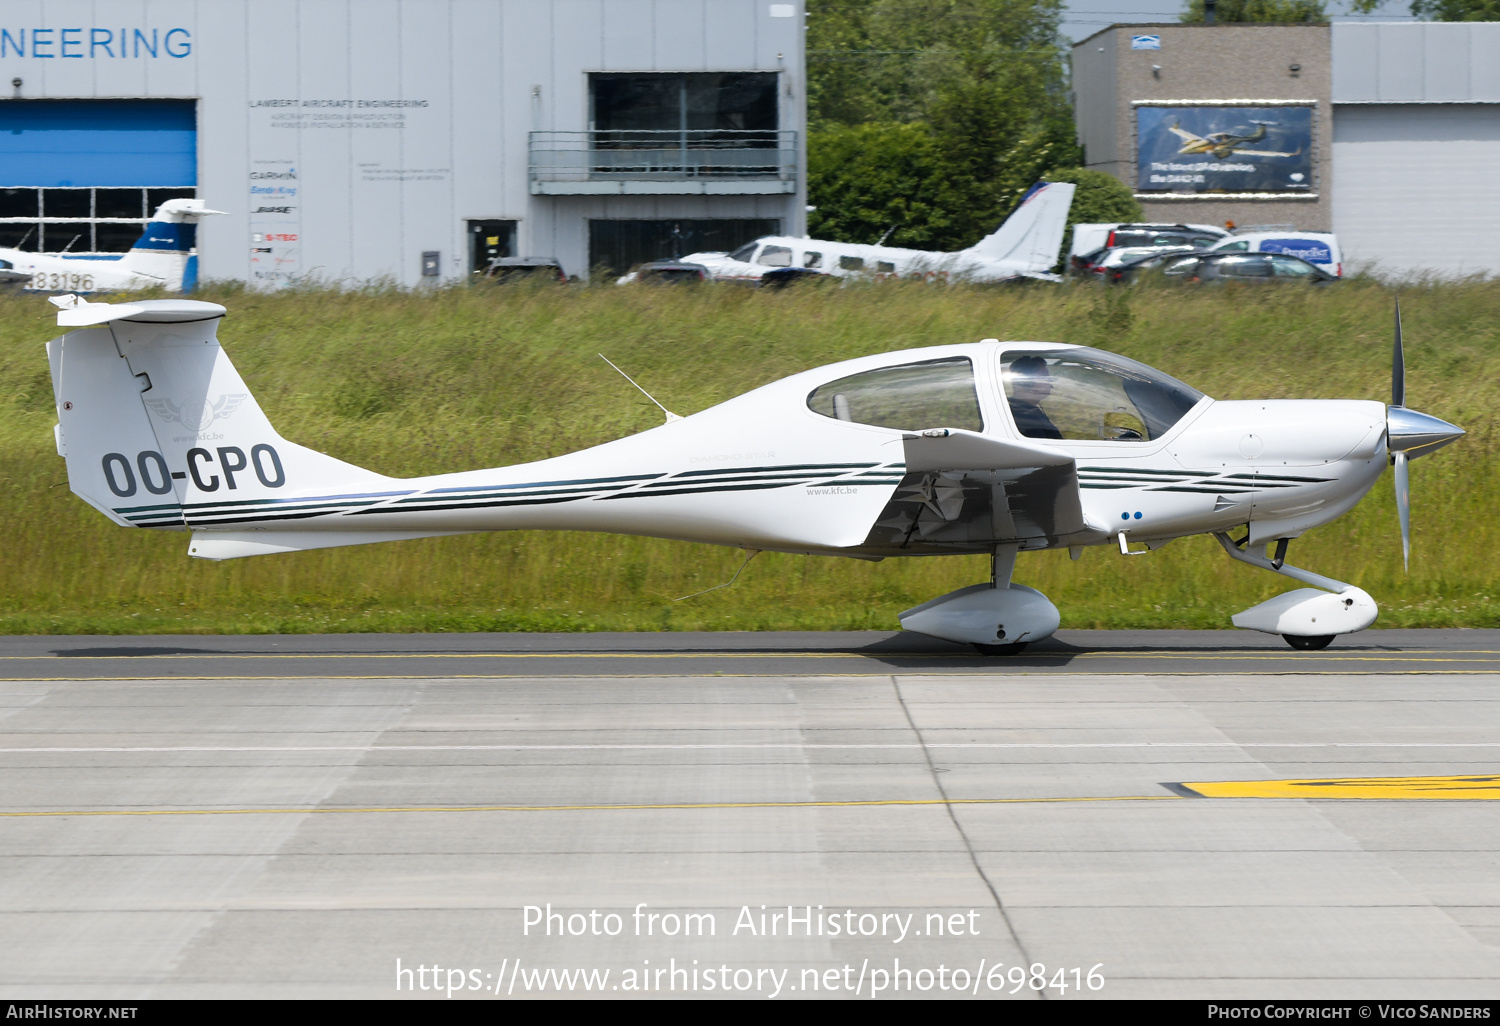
(1032, 489)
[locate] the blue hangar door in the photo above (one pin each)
(83, 177)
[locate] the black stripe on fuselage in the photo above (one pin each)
(845, 467)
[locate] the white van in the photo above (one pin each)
(1321, 248)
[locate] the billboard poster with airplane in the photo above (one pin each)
(1224, 149)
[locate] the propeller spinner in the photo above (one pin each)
(1409, 434)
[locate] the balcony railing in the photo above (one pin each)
(638, 161)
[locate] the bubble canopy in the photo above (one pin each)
(1082, 394)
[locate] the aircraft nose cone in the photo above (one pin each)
(1417, 434)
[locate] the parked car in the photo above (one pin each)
(1245, 267)
(671, 272)
(1091, 238)
(1104, 262)
(1321, 248)
(513, 268)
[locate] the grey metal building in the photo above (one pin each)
(1386, 134)
(1416, 144)
(403, 140)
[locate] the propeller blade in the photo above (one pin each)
(1398, 365)
(1403, 509)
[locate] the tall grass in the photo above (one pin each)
(423, 382)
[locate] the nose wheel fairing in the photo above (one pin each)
(1307, 618)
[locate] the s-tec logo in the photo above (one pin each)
(263, 460)
(192, 415)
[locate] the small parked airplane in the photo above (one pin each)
(985, 447)
(161, 258)
(1025, 246)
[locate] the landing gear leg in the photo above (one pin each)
(1001, 567)
(1306, 619)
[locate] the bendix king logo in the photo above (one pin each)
(192, 415)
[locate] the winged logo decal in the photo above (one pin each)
(193, 415)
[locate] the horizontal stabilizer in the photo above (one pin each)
(75, 312)
(235, 544)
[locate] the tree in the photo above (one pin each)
(1441, 10)
(884, 180)
(984, 77)
(1258, 10)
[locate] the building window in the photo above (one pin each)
(731, 108)
(79, 220)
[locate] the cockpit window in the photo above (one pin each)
(744, 253)
(1089, 394)
(911, 397)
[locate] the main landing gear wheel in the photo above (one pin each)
(1001, 650)
(1306, 644)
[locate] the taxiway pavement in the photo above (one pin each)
(291, 816)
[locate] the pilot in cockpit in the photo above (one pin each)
(1030, 383)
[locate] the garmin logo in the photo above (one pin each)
(287, 175)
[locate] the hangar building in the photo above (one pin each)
(403, 140)
(1386, 134)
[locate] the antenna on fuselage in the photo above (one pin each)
(670, 415)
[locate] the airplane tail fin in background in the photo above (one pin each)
(1032, 235)
(164, 252)
(159, 430)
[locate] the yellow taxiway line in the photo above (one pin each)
(1448, 788)
(1462, 788)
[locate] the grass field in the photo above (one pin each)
(424, 382)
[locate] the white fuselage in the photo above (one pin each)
(48, 273)
(765, 471)
(851, 260)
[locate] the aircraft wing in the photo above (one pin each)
(1183, 133)
(964, 489)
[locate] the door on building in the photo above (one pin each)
(1413, 187)
(84, 176)
(489, 240)
(617, 246)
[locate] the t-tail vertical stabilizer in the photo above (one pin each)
(159, 430)
(1031, 237)
(161, 255)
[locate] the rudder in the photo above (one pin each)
(159, 429)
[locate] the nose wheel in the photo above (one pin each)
(1001, 650)
(1306, 644)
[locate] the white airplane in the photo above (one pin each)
(1025, 246)
(985, 447)
(159, 258)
